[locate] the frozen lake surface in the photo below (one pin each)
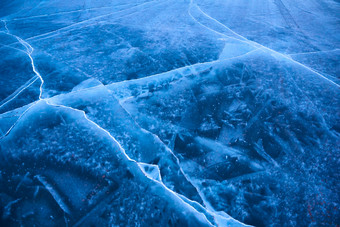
(169, 113)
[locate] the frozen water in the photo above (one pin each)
(169, 113)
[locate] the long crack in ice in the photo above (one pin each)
(242, 38)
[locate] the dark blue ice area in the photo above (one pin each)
(169, 113)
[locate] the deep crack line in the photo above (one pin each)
(29, 51)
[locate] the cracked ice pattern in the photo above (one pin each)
(169, 113)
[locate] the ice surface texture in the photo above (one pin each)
(169, 113)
